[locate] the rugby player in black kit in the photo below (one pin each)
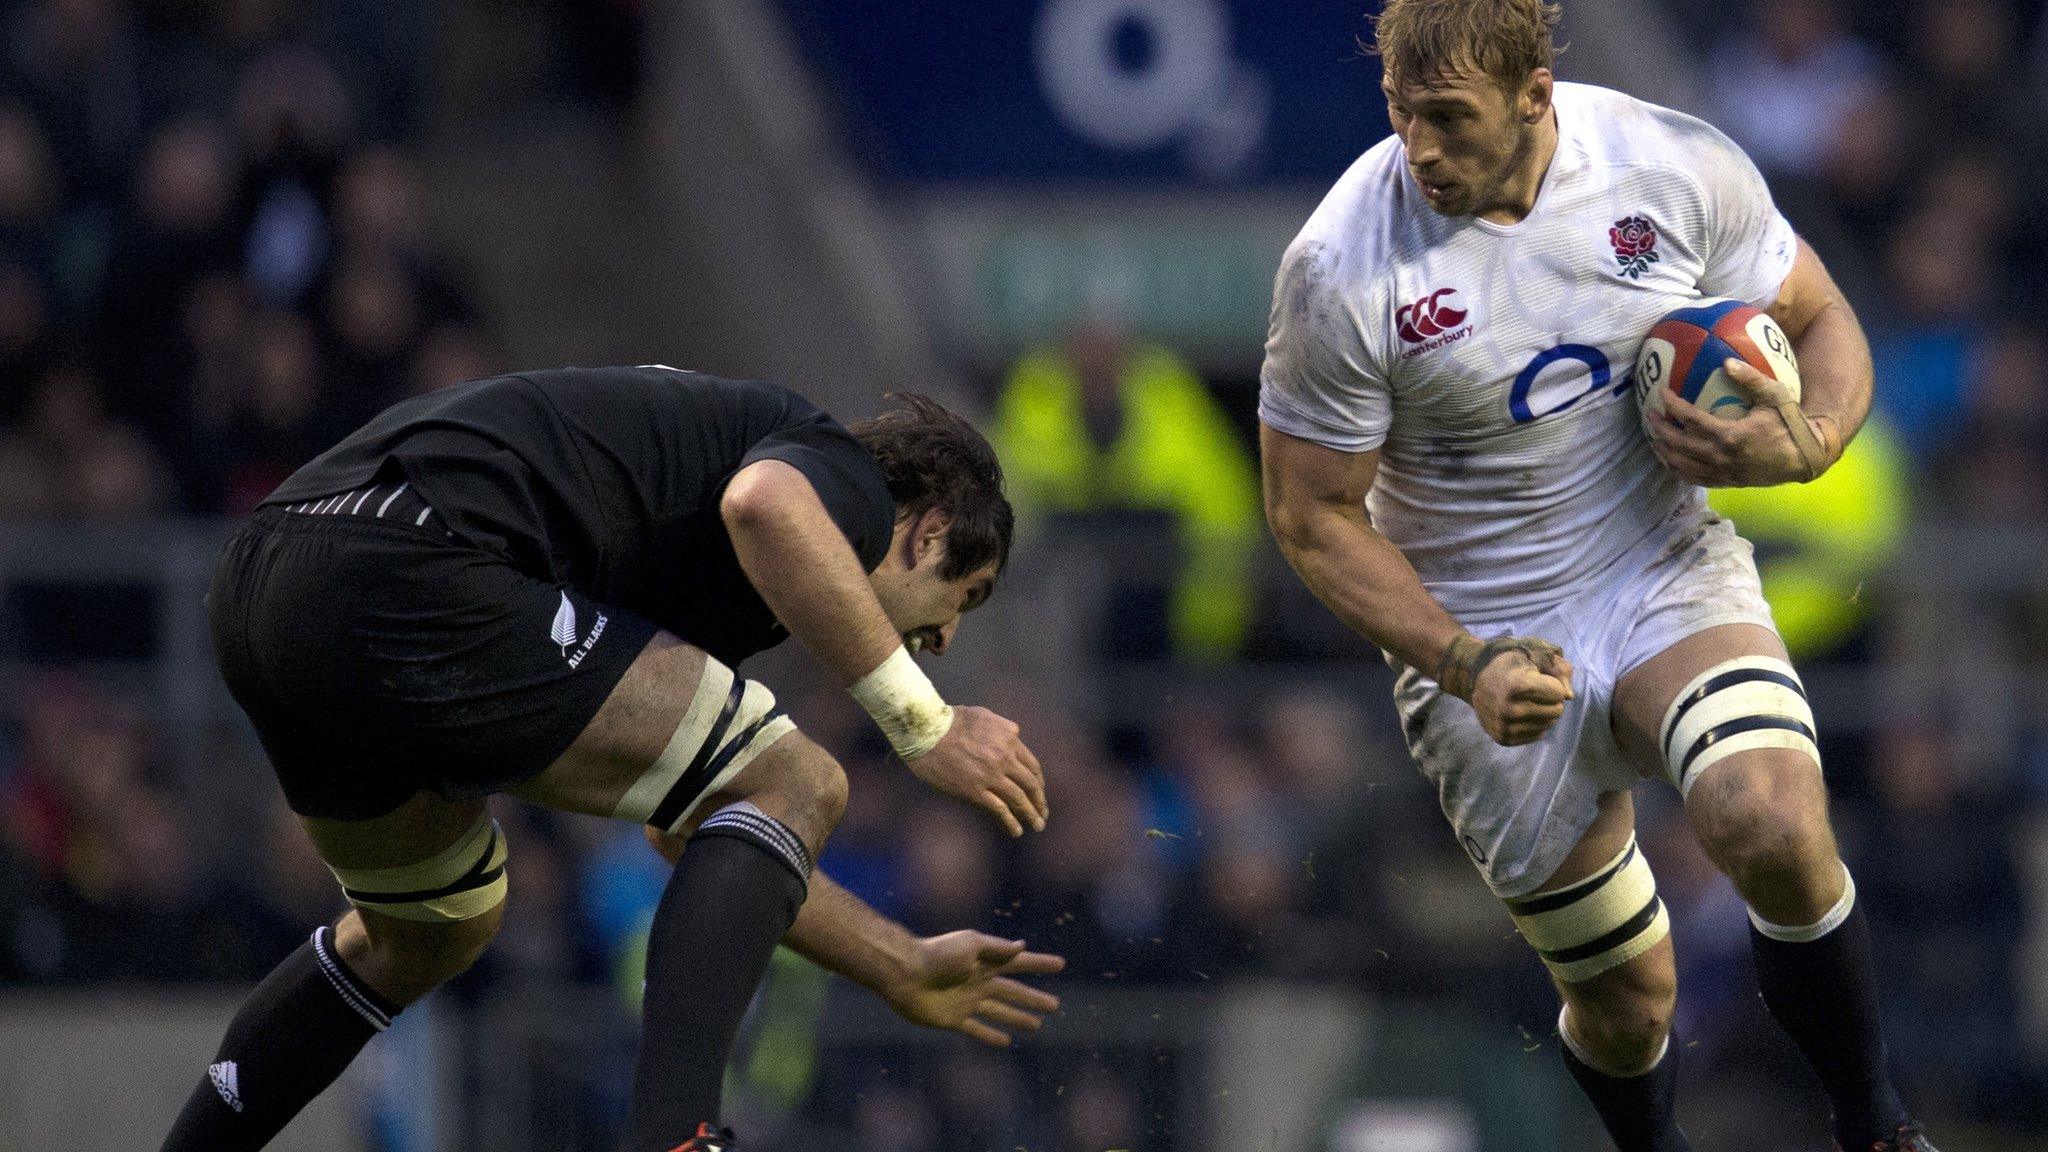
(540, 584)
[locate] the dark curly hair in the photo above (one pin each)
(934, 459)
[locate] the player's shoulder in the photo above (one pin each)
(1353, 237)
(1615, 129)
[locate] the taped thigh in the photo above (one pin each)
(1748, 702)
(730, 722)
(461, 883)
(1599, 923)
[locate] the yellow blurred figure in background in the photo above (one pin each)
(1102, 423)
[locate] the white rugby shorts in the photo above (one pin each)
(1518, 812)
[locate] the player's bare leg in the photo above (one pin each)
(1616, 1023)
(428, 882)
(1760, 812)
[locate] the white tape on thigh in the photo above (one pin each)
(1606, 920)
(730, 721)
(460, 883)
(1748, 702)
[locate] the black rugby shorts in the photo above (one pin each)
(379, 657)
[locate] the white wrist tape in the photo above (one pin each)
(909, 711)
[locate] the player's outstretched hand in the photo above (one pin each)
(983, 760)
(964, 982)
(1522, 691)
(1756, 451)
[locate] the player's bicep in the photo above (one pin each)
(1306, 483)
(1807, 291)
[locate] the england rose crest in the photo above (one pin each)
(1635, 245)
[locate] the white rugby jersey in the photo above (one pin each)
(1491, 363)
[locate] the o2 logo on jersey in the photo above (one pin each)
(1580, 370)
(1431, 322)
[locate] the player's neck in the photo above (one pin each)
(1518, 194)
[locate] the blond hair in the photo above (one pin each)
(1422, 40)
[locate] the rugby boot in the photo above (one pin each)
(1909, 1138)
(709, 1139)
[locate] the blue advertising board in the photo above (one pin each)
(1219, 92)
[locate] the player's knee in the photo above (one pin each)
(406, 959)
(427, 922)
(1625, 1032)
(812, 787)
(1759, 816)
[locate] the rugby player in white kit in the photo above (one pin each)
(1455, 464)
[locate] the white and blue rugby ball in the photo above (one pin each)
(1683, 354)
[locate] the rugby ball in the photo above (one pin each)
(1683, 354)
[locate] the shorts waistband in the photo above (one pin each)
(397, 503)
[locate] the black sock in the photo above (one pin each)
(292, 1037)
(735, 891)
(1639, 1112)
(1823, 992)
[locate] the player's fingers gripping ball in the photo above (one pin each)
(1686, 355)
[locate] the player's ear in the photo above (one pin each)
(1533, 104)
(928, 535)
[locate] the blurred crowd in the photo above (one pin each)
(214, 261)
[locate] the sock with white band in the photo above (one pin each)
(736, 889)
(292, 1037)
(1818, 982)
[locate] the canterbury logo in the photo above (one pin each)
(564, 632)
(225, 1076)
(1430, 316)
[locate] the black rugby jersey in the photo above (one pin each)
(608, 480)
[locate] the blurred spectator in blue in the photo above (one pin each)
(951, 871)
(1784, 84)
(1102, 423)
(1709, 926)
(1093, 886)
(1924, 341)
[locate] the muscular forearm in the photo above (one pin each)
(803, 567)
(838, 932)
(1369, 584)
(1835, 373)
